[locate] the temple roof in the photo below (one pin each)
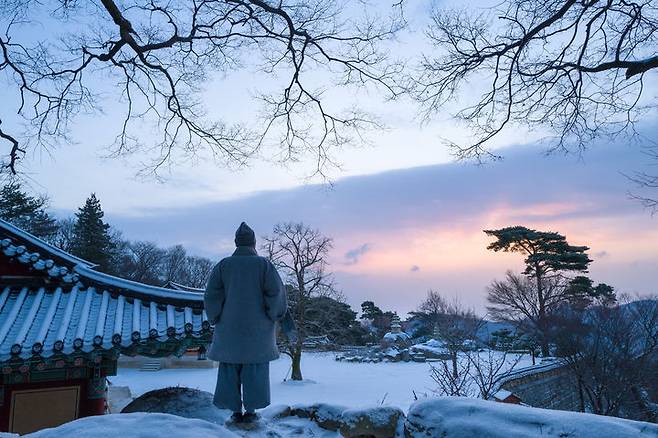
(177, 286)
(64, 306)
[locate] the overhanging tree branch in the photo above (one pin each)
(161, 53)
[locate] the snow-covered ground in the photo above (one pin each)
(135, 426)
(451, 417)
(343, 387)
(327, 381)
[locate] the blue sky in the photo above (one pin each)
(404, 217)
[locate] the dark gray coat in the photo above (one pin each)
(244, 299)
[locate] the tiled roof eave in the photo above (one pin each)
(23, 238)
(84, 274)
(144, 292)
(73, 309)
(149, 348)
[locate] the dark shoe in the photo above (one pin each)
(237, 417)
(250, 418)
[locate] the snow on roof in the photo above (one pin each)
(18, 235)
(177, 286)
(502, 394)
(391, 336)
(527, 371)
(136, 288)
(75, 308)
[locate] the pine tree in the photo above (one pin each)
(92, 240)
(548, 258)
(26, 212)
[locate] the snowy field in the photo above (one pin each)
(349, 384)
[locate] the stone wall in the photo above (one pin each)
(549, 387)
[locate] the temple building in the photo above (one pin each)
(63, 326)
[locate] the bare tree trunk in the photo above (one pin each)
(301, 254)
(455, 373)
(296, 363)
(581, 396)
(545, 351)
(541, 320)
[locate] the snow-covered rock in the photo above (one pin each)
(181, 401)
(379, 422)
(137, 425)
(432, 349)
(325, 415)
(448, 417)
(275, 412)
(396, 339)
(457, 417)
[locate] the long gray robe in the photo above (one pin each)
(244, 299)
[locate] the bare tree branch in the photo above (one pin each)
(301, 253)
(160, 54)
(574, 69)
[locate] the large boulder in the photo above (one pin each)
(325, 415)
(379, 422)
(458, 417)
(181, 401)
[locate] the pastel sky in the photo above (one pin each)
(400, 232)
(404, 217)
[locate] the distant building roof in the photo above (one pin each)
(52, 302)
(502, 394)
(520, 373)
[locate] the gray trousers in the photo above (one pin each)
(239, 384)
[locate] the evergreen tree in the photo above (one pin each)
(548, 259)
(92, 239)
(379, 320)
(369, 310)
(26, 212)
(585, 293)
(326, 316)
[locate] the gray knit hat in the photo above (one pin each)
(245, 236)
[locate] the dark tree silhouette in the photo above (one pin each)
(92, 240)
(26, 211)
(574, 66)
(159, 54)
(548, 259)
(574, 69)
(612, 352)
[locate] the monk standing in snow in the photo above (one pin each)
(244, 299)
